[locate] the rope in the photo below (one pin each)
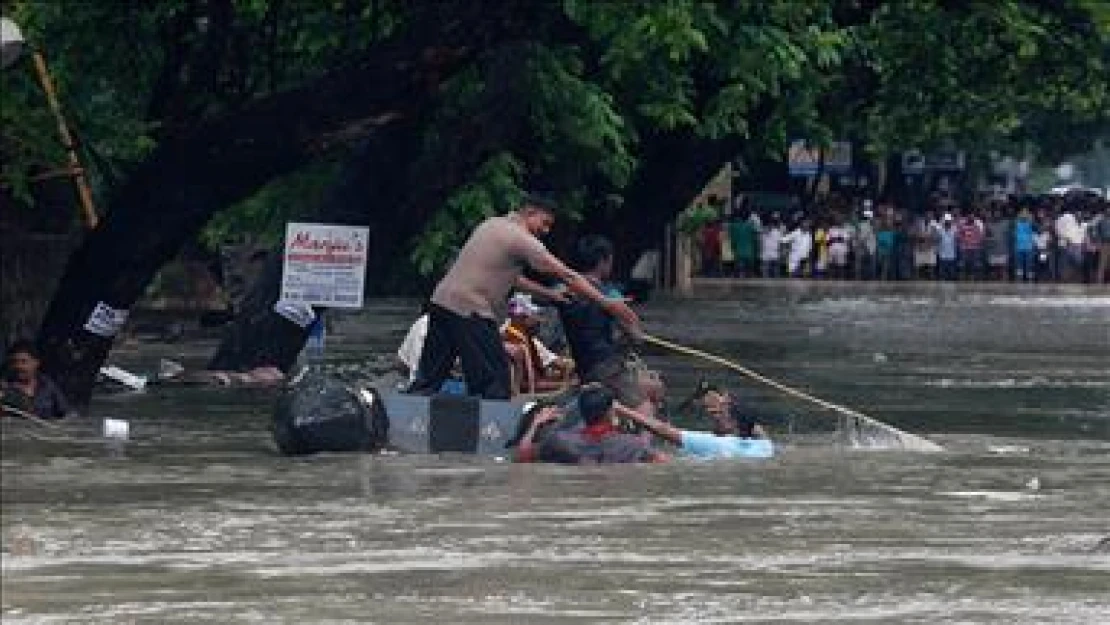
(23, 414)
(689, 351)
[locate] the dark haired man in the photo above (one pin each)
(469, 302)
(596, 441)
(26, 389)
(590, 333)
(734, 435)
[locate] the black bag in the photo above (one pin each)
(319, 413)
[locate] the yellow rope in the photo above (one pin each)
(23, 414)
(689, 351)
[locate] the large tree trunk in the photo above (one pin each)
(174, 192)
(370, 190)
(392, 187)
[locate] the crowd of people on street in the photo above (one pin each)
(1035, 239)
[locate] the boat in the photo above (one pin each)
(323, 413)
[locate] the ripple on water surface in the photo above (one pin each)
(197, 520)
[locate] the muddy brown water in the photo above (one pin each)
(196, 519)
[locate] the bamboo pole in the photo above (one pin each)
(88, 209)
(33, 418)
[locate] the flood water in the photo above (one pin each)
(196, 519)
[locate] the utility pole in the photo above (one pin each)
(12, 47)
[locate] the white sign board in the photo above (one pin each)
(105, 321)
(324, 265)
(803, 159)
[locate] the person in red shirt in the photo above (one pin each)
(596, 440)
(969, 235)
(711, 238)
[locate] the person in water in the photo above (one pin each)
(469, 302)
(734, 434)
(590, 332)
(596, 440)
(25, 388)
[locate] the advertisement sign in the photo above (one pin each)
(838, 158)
(803, 159)
(324, 265)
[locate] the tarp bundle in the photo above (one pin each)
(320, 413)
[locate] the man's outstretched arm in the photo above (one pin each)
(663, 430)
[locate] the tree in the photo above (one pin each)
(197, 171)
(459, 107)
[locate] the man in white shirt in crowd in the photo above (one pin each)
(1069, 240)
(770, 247)
(926, 229)
(840, 236)
(800, 240)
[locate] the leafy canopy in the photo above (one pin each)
(572, 108)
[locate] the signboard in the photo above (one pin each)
(838, 158)
(803, 159)
(945, 160)
(913, 162)
(324, 265)
(105, 321)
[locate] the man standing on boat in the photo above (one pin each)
(469, 302)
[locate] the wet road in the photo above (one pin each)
(197, 520)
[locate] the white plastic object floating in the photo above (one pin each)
(124, 377)
(116, 429)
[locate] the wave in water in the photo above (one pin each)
(1030, 382)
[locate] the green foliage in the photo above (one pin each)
(983, 74)
(126, 78)
(495, 189)
(262, 217)
(85, 65)
(693, 218)
(576, 121)
(581, 94)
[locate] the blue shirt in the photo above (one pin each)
(946, 248)
(1023, 235)
(884, 240)
(709, 445)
